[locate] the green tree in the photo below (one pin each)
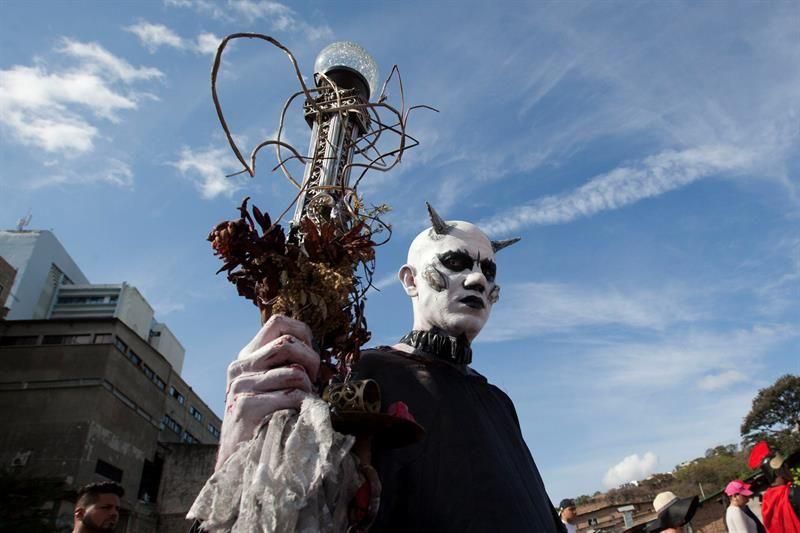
(715, 470)
(722, 449)
(775, 416)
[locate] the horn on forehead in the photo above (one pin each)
(499, 245)
(440, 227)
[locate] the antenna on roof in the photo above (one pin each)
(24, 221)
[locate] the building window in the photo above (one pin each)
(108, 470)
(177, 395)
(77, 339)
(120, 344)
(81, 299)
(171, 424)
(195, 413)
(213, 429)
(67, 339)
(593, 521)
(148, 371)
(18, 340)
(103, 338)
(159, 383)
(135, 359)
(189, 438)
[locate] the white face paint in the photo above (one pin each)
(450, 279)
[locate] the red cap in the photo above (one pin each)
(758, 453)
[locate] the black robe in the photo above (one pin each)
(472, 472)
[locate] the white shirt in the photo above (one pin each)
(571, 528)
(738, 522)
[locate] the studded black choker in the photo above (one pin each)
(438, 343)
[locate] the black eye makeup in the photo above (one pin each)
(456, 261)
(489, 269)
(460, 260)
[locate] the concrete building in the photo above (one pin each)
(7, 275)
(49, 284)
(605, 516)
(42, 264)
(90, 386)
(120, 301)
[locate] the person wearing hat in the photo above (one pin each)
(739, 518)
(568, 514)
(673, 513)
(780, 505)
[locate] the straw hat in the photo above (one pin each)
(672, 511)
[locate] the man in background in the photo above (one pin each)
(97, 508)
(568, 514)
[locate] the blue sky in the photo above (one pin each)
(647, 154)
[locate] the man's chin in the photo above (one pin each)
(94, 528)
(468, 325)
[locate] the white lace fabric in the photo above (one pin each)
(295, 475)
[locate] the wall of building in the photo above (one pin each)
(86, 390)
(86, 301)
(606, 516)
(163, 340)
(134, 311)
(71, 406)
(7, 275)
(33, 253)
(186, 469)
(101, 397)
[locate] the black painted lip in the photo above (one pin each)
(473, 301)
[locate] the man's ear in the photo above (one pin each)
(406, 276)
(79, 513)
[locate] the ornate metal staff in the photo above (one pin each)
(320, 270)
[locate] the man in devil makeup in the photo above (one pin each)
(780, 505)
(472, 470)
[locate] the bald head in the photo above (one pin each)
(450, 277)
(459, 232)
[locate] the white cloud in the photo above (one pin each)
(386, 281)
(721, 380)
(32, 89)
(62, 132)
(281, 16)
(153, 36)
(277, 16)
(577, 88)
(207, 169)
(117, 173)
(530, 309)
(112, 172)
(96, 58)
(207, 43)
(52, 110)
(653, 176)
(631, 468)
(685, 356)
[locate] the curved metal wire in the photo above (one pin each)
(368, 153)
